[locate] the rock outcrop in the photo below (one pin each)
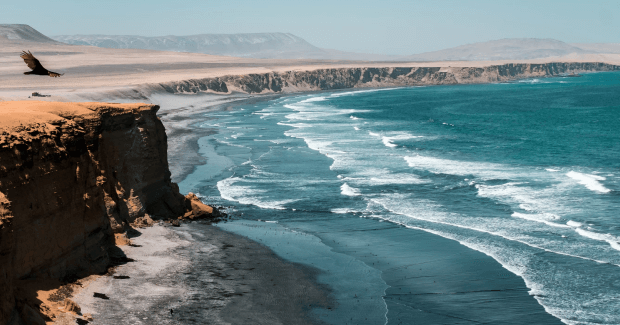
(72, 307)
(343, 78)
(71, 176)
(198, 210)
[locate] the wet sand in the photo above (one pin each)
(204, 275)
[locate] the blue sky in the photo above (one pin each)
(387, 26)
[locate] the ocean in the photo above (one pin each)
(465, 204)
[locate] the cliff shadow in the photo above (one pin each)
(117, 258)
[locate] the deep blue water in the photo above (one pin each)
(470, 204)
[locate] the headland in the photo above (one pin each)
(78, 179)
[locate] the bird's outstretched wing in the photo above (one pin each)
(30, 60)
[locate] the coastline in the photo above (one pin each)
(181, 124)
(189, 141)
(202, 273)
(433, 303)
(240, 272)
(177, 121)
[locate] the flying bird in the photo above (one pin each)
(36, 66)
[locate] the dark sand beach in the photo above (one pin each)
(204, 275)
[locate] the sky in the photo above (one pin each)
(380, 26)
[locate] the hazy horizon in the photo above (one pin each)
(389, 27)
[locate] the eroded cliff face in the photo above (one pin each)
(327, 79)
(70, 176)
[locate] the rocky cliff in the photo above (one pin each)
(74, 174)
(71, 175)
(328, 79)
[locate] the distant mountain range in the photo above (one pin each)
(255, 45)
(504, 49)
(289, 46)
(259, 45)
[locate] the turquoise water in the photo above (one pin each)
(505, 196)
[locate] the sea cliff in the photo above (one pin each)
(74, 174)
(343, 78)
(71, 176)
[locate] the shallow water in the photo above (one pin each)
(507, 194)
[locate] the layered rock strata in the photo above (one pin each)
(343, 78)
(71, 176)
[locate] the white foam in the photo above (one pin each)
(387, 140)
(318, 145)
(374, 134)
(343, 211)
(574, 224)
(589, 181)
(526, 197)
(613, 241)
(347, 190)
(296, 125)
(314, 99)
(552, 170)
(230, 144)
(351, 93)
(293, 107)
(356, 128)
(247, 195)
(309, 112)
(381, 176)
(397, 179)
(207, 124)
(461, 168)
(266, 113)
(280, 141)
(354, 118)
(542, 218)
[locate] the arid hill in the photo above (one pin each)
(23, 32)
(504, 49)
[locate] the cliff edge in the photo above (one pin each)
(71, 176)
(344, 78)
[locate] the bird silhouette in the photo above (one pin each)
(36, 66)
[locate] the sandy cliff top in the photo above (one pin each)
(14, 114)
(88, 67)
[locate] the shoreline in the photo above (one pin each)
(512, 285)
(235, 101)
(181, 130)
(182, 119)
(201, 272)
